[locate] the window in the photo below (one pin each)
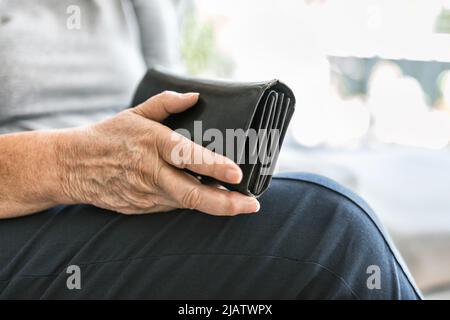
(372, 81)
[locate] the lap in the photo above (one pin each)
(311, 239)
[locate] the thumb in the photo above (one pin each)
(162, 105)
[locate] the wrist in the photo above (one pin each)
(67, 146)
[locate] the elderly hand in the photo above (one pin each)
(125, 164)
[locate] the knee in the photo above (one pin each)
(316, 210)
(327, 224)
(320, 199)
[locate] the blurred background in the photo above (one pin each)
(372, 81)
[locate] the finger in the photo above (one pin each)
(182, 153)
(162, 105)
(188, 192)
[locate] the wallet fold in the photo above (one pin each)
(246, 122)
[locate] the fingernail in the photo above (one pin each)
(233, 175)
(192, 94)
(258, 205)
(253, 205)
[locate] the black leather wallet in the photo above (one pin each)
(251, 117)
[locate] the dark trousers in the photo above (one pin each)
(312, 239)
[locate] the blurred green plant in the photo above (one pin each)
(442, 24)
(199, 50)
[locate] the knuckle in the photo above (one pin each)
(166, 94)
(157, 175)
(192, 199)
(162, 143)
